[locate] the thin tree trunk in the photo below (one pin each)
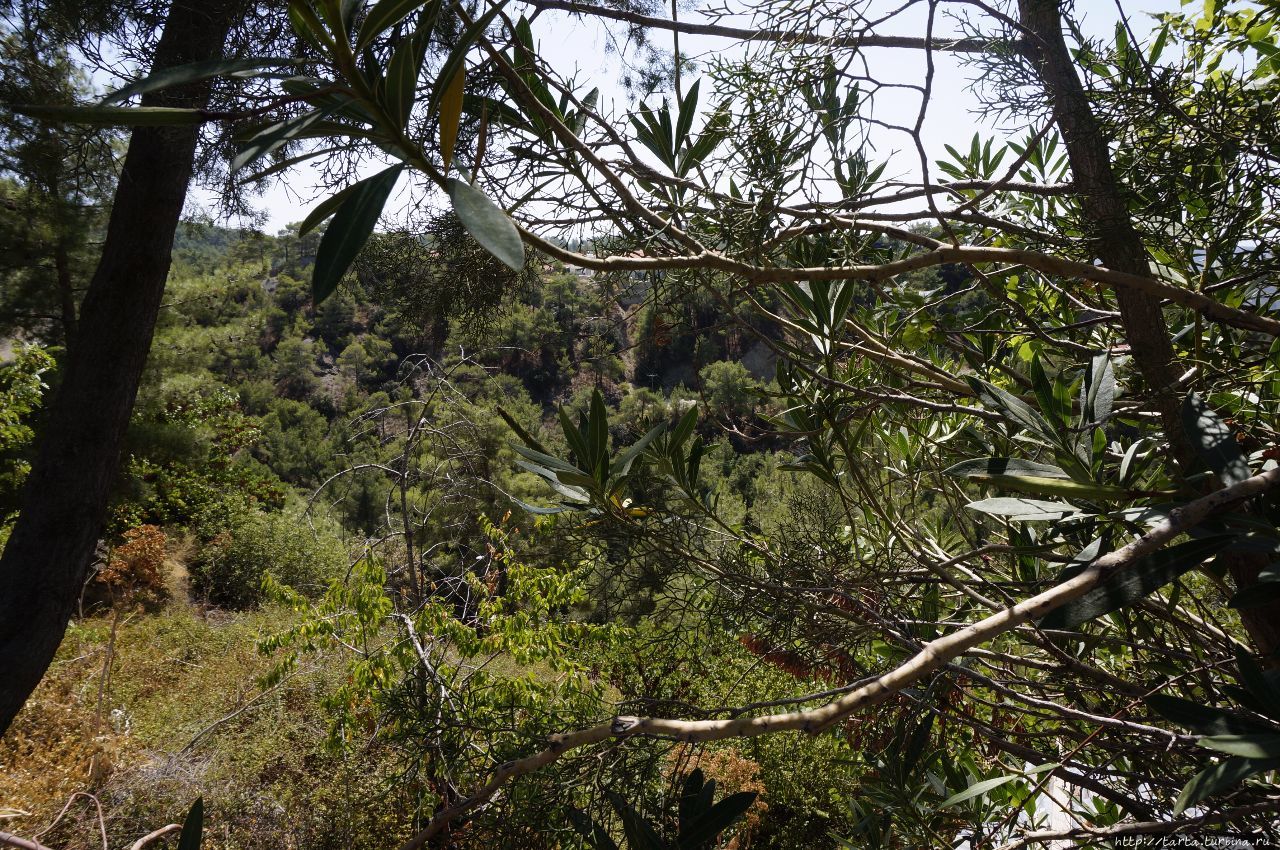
(1119, 246)
(66, 292)
(66, 495)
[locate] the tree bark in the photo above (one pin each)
(65, 498)
(1119, 246)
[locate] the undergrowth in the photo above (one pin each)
(183, 715)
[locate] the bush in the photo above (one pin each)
(135, 571)
(728, 389)
(298, 552)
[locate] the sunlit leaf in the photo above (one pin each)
(978, 789)
(1023, 509)
(451, 115)
(486, 223)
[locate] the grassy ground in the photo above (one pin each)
(182, 715)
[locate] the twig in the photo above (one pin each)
(933, 656)
(200, 736)
(958, 45)
(14, 841)
(102, 823)
(154, 836)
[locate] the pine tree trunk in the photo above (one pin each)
(65, 498)
(1119, 246)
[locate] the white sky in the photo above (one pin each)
(569, 43)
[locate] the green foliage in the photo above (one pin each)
(188, 462)
(192, 827)
(699, 824)
(440, 678)
(728, 390)
(22, 389)
(943, 442)
(299, 552)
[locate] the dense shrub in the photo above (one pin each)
(298, 552)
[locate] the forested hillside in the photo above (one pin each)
(859, 432)
(275, 437)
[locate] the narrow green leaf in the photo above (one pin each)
(1043, 389)
(500, 112)
(287, 163)
(352, 224)
(688, 110)
(1214, 441)
(1218, 778)
(546, 460)
(574, 436)
(347, 12)
(192, 827)
(273, 136)
(598, 431)
(1254, 746)
(401, 85)
(1024, 509)
(986, 467)
(977, 790)
(1201, 719)
(451, 115)
(576, 479)
(382, 17)
(326, 208)
(191, 73)
(521, 432)
(308, 25)
(715, 820)
(486, 223)
(684, 428)
(1135, 582)
(1098, 393)
(113, 116)
(1013, 408)
(570, 491)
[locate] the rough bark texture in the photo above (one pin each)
(64, 503)
(1119, 246)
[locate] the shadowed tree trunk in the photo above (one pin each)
(1119, 246)
(64, 502)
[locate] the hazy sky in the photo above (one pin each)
(568, 44)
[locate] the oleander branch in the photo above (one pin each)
(943, 254)
(933, 656)
(861, 41)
